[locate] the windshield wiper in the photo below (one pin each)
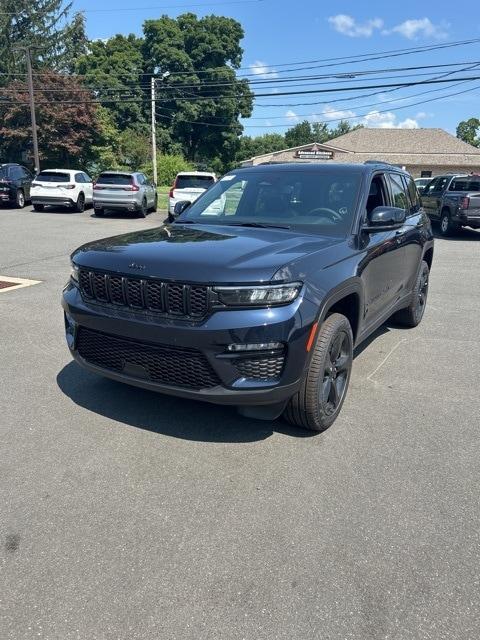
(259, 225)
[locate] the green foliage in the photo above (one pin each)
(469, 130)
(167, 167)
(207, 51)
(45, 25)
(114, 70)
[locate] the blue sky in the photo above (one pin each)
(279, 32)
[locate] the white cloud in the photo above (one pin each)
(292, 116)
(330, 113)
(388, 120)
(262, 70)
(414, 29)
(348, 26)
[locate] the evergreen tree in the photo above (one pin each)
(43, 24)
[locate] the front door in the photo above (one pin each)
(382, 267)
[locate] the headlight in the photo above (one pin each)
(74, 272)
(258, 296)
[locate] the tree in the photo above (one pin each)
(114, 71)
(258, 145)
(343, 127)
(300, 134)
(202, 100)
(468, 131)
(45, 25)
(66, 121)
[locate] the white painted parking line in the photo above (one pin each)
(7, 283)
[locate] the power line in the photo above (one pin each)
(327, 121)
(151, 8)
(343, 60)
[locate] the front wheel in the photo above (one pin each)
(320, 398)
(412, 315)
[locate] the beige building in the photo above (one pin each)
(422, 152)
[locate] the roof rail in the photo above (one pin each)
(388, 164)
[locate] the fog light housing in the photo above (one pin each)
(260, 346)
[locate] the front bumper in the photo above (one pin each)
(287, 325)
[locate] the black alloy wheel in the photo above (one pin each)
(80, 206)
(320, 398)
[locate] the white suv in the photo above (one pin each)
(61, 188)
(188, 185)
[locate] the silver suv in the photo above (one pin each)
(124, 191)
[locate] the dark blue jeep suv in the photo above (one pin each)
(257, 294)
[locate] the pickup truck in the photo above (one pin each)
(453, 201)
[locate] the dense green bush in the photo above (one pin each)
(167, 167)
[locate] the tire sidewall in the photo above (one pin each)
(20, 199)
(80, 206)
(423, 270)
(321, 419)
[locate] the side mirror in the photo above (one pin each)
(384, 218)
(181, 206)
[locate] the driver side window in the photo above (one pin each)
(377, 195)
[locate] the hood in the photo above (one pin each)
(201, 253)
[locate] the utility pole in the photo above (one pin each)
(154, 135)
(36, 155)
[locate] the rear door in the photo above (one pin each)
(115, 188)
(432, 200)
(191, 186)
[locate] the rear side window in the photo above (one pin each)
(53, 176)
(79, 178)
(465, 184)
(194, 182)
(398, 191)
(413, 194)
(115, 178)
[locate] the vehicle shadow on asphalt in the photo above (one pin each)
(464, 234)
(176, 417)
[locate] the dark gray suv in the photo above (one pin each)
(257, 294)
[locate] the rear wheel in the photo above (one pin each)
(412, 315)
(20, 199)
(447, 227)
(320, 398)
(80, 205)
(153, 208)
(38, 207)
(142, 212)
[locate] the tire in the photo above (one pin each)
(412, 315)
(154, 207)
(19, 199)
(38, 207)
(99, 213)
(447, 227)
(320, 398)
(142, 212)
(79, 207)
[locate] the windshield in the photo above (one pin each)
(114, 178)
(193, 182)
(321, 202)
(52, 176)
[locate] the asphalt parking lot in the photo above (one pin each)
(130, 515)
